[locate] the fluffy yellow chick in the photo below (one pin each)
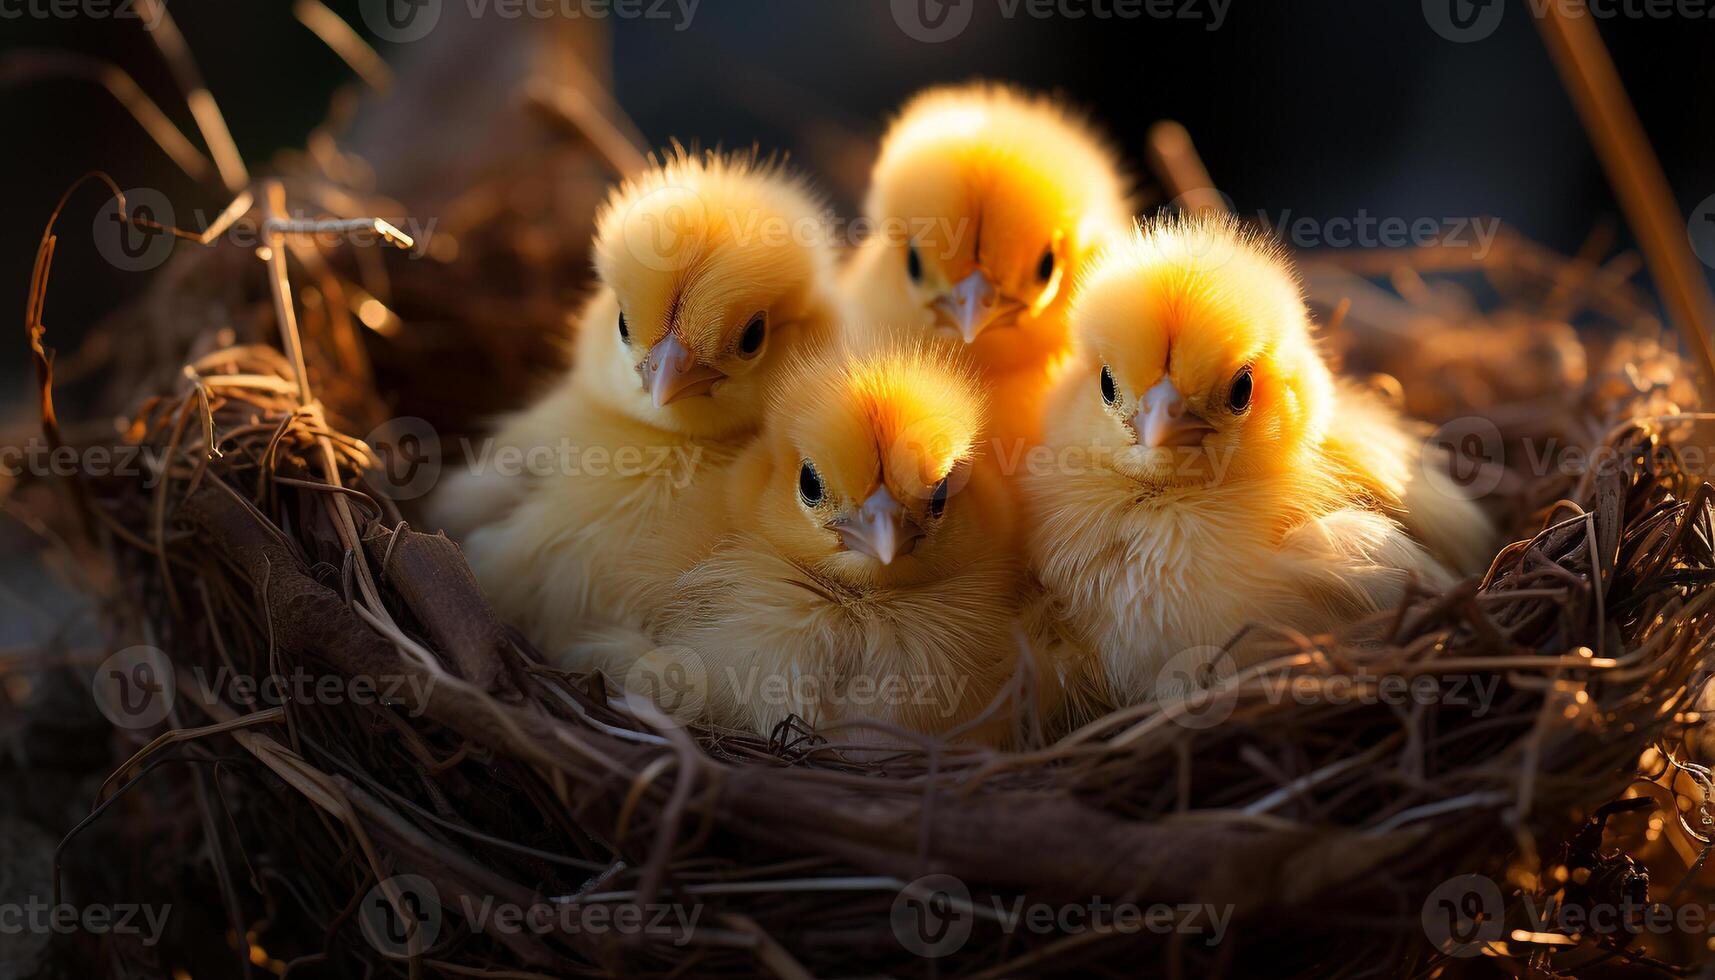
(987, 204)
(714, 271)
(872, 572)
(1205, 475)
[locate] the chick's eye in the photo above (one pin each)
(809, 485)
(1239, 395)
(913, 263)
(1110, 392)
(750, 342)
(938, 498)
(624, 331)
(1045, 268)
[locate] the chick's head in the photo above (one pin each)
(1195, 360)
(990, 201)
(871, 458)
(721, 266)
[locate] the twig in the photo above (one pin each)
(1634, 173)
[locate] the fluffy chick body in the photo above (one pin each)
(802, 611)
(988, 202)
(712, 278)
(1213, 478)
(1407, 477)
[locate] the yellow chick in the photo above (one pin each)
(1204, 472)
(987, 203)
(873, 571)
(714, 270)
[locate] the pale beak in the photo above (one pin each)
(974, 305)
(671, 372)
(1163, 420)
(881, 528)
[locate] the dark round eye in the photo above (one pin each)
(809, 485)
(1110, 392)
(913, 263)
(1239, 395)
(750, 343)
(938, 499)
(1045, 268)
(624, 331)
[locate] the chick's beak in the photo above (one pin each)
(881, 528)
(671, 372)
(974, 305)
(1163, 420)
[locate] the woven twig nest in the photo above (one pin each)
(406, 771)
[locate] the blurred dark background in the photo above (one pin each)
(1323, 110)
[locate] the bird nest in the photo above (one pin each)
(405, 783)
(388, 777)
